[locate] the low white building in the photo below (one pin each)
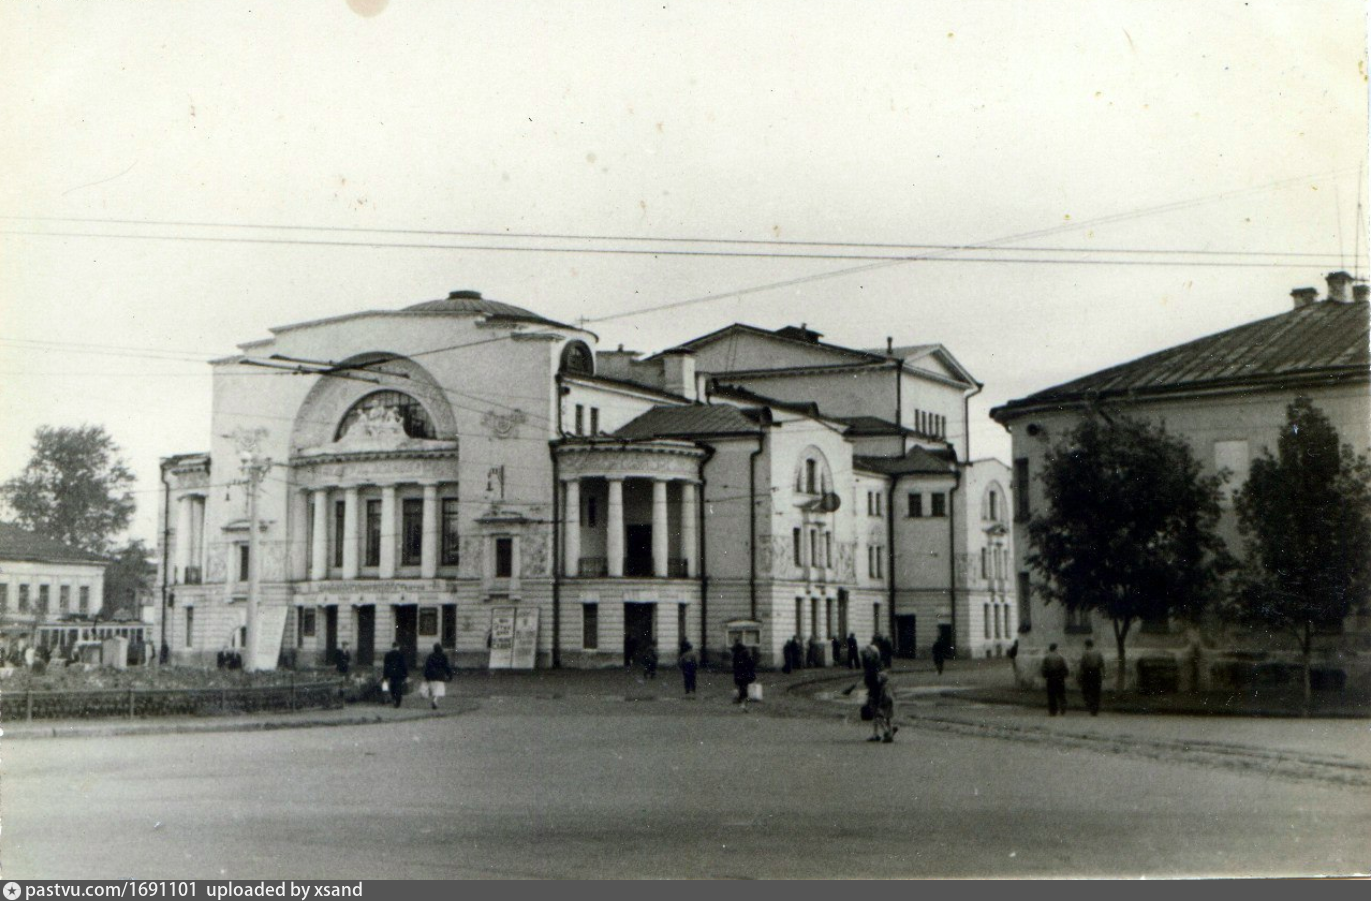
(43, 582)
(436, 466)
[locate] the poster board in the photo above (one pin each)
(513, 638)
(271, 631)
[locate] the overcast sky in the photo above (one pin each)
(1102, 128)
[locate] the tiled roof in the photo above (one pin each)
(697, 420)
(917, 461)
(1325, 339)
(20, 544)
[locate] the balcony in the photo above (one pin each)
(635, 567)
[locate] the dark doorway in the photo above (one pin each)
(637, 630)
(366, 635)
(407, 631)
(906, 635)
(638, 550)
(330, 633)
(945, 636)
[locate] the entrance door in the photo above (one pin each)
(366, 635)
(637, 630)
(637, 550)
(330, 633)
(407, 631)
(906, 636)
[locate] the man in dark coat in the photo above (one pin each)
(395, 671)
(887, 651)
(744, 670)
(1054, 671)
(342, 660)
(689, 662)
(837, 648)
(1090, 672)
(854, 654)
(939, 654)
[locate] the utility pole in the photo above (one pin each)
(255, 468)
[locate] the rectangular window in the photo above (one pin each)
(799, 616)
(190, 627)
(681, 622)
(4, 598)
(504, 558)
(308, 621)
(1025, 602)
(244, 564)
(428, 621)
(939, 503)
(916, 505)
(876, 618)
(594, 420)
(999, 616)
(814, 617)
(811, 476)
(799, 548)
(1021, 508)
(1234, 457)
(985, 615)
(42, 600)
(985, 565)
(309, 539)
(373, 552)
(580, 419)
(411, 531)
(449, 638)
(814, 557)
(842, 614)
(879, 504)
(591, 509)
(590, 626)
(828, 549)
(64, 599)
(83, 595)
(23, 599)
(828, 619)
(340, 509)
(451, 555)
(1078, 622)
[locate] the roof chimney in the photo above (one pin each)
(1304, 297)
(1337, 286)
(1359, 292)
(889, 345)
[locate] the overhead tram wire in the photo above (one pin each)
(1173, 206)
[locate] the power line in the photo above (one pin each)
(763, 242)
(1022, 236)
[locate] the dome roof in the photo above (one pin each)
(471, 303)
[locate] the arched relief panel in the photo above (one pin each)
(813, 475)
(317, 421)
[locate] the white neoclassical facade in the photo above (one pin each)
(428, 466)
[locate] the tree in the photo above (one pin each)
(1129, 529)
(129, 574)
(1306, 517)
(75, 488)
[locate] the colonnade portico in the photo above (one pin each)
(614, 531)
(389, 561)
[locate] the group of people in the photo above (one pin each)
(1089, 673)
(395, 673)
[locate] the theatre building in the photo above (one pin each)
(420, 471)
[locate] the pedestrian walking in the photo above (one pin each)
(887, 649)
(837, 648)
(437, 671)
(1054, 672)
(1013, 655)
(342, 660)
(939, 654)
(395, 671)
(1090, 673)
(854, 653)
(871, 667)
(744, 670)
(689, 662)
(649, 657)
(881, 701)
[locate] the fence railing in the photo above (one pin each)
(136, 702)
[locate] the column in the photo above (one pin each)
(389, 539)
(183, 536)
(660, 546)
(318, 570)
(614, 526)
(299, 535)
(350, 555)
(690, 521)
(572, 528)
(428, 550)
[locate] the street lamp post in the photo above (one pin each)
(255, 467)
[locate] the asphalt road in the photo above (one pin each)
(599, 787)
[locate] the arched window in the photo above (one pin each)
(812, 475)
(992, 504)
(577, 358)
(388, 411)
